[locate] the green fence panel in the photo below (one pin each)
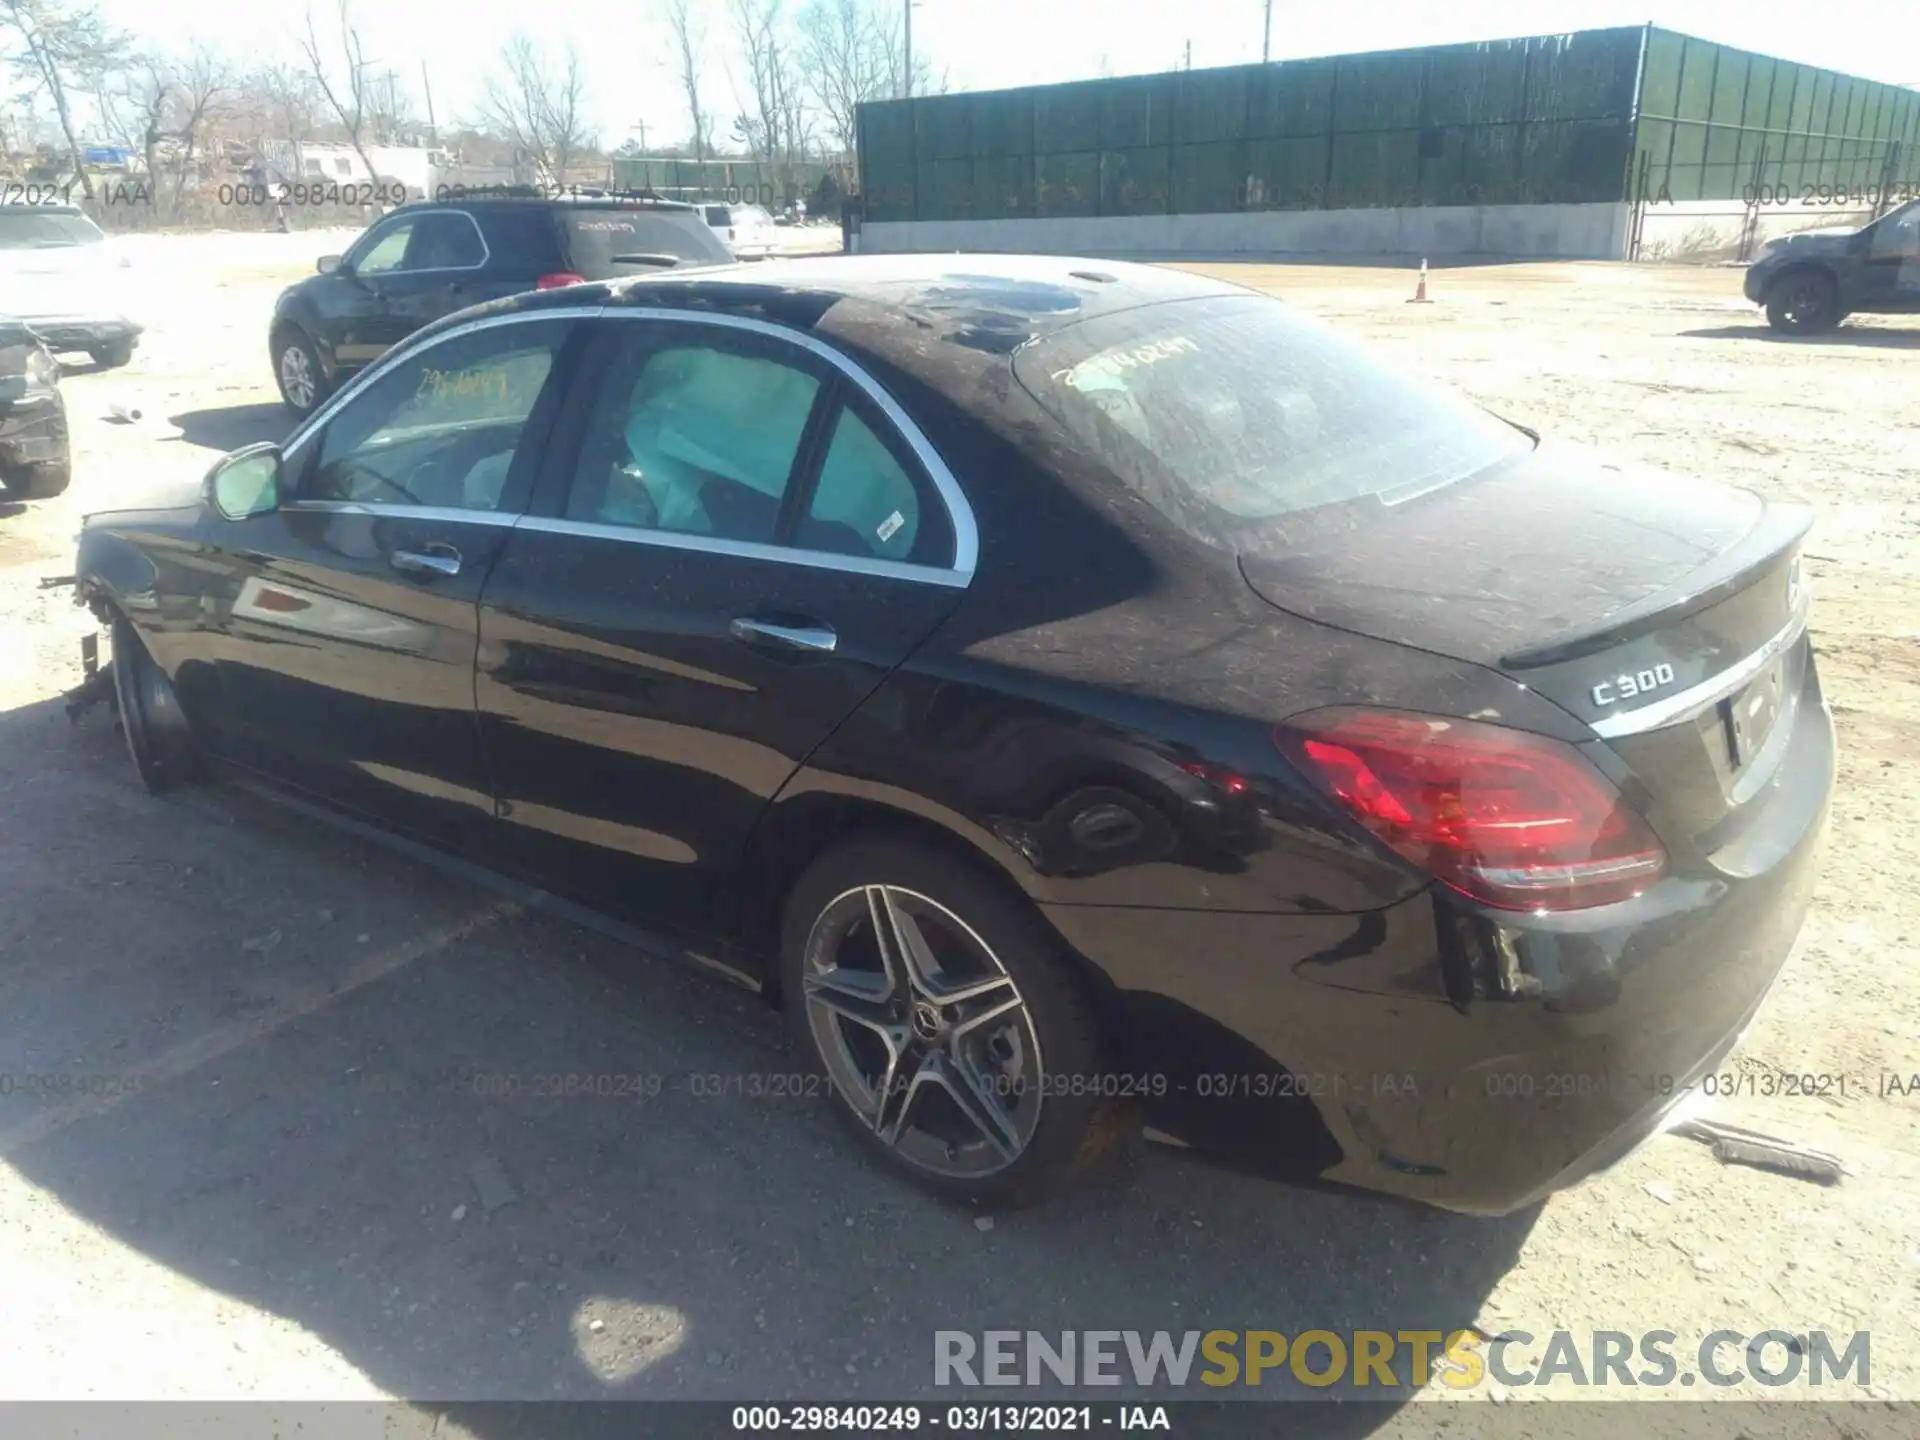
(943, 128)
(1293, 98)
(1135, 181)
(1378, 92)
(1287, 172)
(1476, 84)
(1067, 117)
(1697, 64)
(1582, 77)
(1067, 183)
(1002, 187)
(1137, 113)
(1567, 162)
(1210, 178)
(1723, 144)
(1211, 105)
(1660, 74)
(1002, 123)
(1729, 88)
(1373, 168)
(943, 189)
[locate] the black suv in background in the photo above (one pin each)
(1811, 281)
(433, 257)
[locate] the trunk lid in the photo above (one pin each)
(1666, 613)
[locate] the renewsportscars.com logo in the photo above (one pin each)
(1392, 1359)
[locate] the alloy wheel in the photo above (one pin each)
(296, 377)
(923, 1032)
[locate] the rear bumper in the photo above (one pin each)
(74, 332)
(1323, 1046)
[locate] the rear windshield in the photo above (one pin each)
(1226, 414)
(601, 238)
(27, 228)
(717, 215)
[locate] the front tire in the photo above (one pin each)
(298, 372)
(1804, 302)
(945, 1020)
(40, 481)
(158, 736)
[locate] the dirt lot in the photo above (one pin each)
(280, 1198)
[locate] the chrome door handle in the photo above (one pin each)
(813, 639)
(439, 560)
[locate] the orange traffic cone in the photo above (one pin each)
(1420, 290)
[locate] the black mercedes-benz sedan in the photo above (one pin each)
(1087, 698)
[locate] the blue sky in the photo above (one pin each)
(985, 44)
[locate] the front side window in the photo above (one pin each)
(696, 438)
(386, 250)
(442, 427)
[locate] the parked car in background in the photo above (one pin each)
(746, 230)
(1811, 281)
(428, 259)
(34, 459)
(1084, 695)
(62, 276)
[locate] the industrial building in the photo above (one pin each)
(1602, 144)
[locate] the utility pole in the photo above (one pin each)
(1188, 64)
(906, 79)
(426, 86)
(1266, 36)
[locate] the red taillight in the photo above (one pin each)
(1511, 819)
(557, 279)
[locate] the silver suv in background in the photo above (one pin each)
(747, 230)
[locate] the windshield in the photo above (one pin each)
(1228, 413)
(601, 237)
(24, 228)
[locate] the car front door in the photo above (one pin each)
(741, 539)
(444, 270)
(1890, 278)
(344, 626)
(350, 304)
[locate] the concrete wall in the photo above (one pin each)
(1710, 229)
(1436, 232)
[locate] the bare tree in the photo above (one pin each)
(202, 86)
(846, 57)
(686, 29)
(539, 106)
(347, 97)
(60, 43)
(287, 101)
(774, 120)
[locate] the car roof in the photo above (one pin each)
(1028, 295)
(585, 199)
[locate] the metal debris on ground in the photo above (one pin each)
(490, 1181)
(1733, 1145)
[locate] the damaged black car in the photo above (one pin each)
(35, 462)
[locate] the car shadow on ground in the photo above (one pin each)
(231, 426)
(1871, 337)
(481, 1153)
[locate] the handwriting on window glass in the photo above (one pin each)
(490, 383)
(1117, 362)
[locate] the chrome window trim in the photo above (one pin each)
(486, 250)
(966, 533)
(441, 513)
(1672, 709)
(749, 550)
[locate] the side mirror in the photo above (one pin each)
(246, 483)
(329, 264)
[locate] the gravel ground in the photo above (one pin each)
(284, 1197)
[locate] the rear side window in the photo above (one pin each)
(717, 215)
(607, 244)
(446, 240)
(867, 504)
(524, 239)
(1228, 414)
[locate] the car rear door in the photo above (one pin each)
(343, 624)
(742, 536)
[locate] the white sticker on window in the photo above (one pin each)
(890, 526)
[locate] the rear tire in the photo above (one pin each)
(37, 482)
(112, 357)
(158, 736)
(1804, 302)
(966, 1056)
(298, 372)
